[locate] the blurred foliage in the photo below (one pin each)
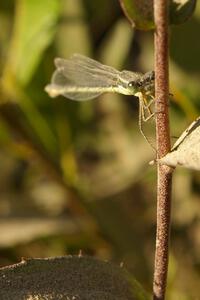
(76, 175)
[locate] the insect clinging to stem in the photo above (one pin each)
(81, 78)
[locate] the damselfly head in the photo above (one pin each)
(148, 78)
(143, 84)
(135, 85)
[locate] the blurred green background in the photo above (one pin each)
(76, 175)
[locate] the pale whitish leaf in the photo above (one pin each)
(186, 150)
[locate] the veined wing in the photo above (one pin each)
(91, 64)
(82, 78)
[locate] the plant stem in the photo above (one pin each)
(164, 178)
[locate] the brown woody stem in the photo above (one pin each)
(164, 178)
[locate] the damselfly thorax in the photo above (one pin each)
(81, 78)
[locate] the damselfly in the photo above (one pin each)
(81, 78)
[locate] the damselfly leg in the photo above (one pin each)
(145, 114)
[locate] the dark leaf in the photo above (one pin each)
(70, 277)
(140, 12)
(181, 10)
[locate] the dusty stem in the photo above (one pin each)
(164, 178)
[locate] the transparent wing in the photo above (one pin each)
(81, 78)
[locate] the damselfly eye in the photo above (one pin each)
(135, 84)
(131, 84)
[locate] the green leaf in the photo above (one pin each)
(140, 12)
(34, 28)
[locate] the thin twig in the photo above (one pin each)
(164, 179)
